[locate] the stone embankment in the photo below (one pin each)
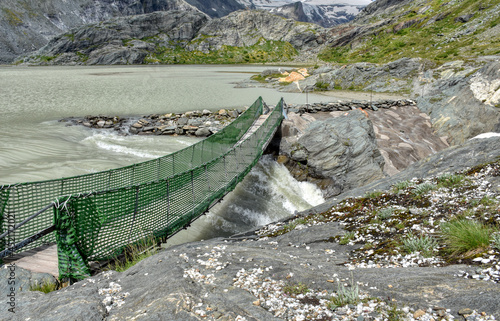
(192, 123)
(351, 105)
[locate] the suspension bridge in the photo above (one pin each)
(94, 217)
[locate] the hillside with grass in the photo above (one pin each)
(435, 30)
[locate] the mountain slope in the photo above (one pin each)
(26, 26)
(326, 13)
(440, 31)
(183, 37)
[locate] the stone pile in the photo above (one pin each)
(350, 105)
(192, 123)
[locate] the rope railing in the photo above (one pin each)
(99, 225)
(19, 202)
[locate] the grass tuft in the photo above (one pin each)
(423, 188)
(385, 213)
(345, 296)
(466, 237)
(295, 289)
(347, 237)
(396, 188)
(374, 194)
(46, 286)
(134, 253)
(450, 180)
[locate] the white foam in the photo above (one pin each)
(278, 182)
(486, 135)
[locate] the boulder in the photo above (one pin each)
(203, 132)
(339, 153)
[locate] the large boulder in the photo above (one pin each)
(336, 153)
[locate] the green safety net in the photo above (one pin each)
(99, 225)
(4, 218)
(20, 201)
(102, 212)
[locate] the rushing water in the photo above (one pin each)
(35, 146)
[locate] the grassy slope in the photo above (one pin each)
(434, 34)
(263, 51)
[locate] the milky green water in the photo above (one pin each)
(35, 146)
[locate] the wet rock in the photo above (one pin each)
(203, 132)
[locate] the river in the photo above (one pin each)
(35, 146)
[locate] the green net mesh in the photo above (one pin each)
(103, 212)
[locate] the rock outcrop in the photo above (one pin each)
(118, 41)
(164, 37)
(461, 98)
(247, 28)
(464, 101)
(394, 135)
(326, 14)
(27, 26)
(335, 153)
(473, 152)
(380, 8)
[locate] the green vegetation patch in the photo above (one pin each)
(466, 237)
(437, 34)
(423, 244)
(264, 51)
(134, 253)
(443, 217)
(46, 286)
(345, 295)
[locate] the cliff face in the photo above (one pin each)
(26, 26)
(118, 41)
(326, 13)
(246, 28)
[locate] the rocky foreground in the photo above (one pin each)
(345, 260)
